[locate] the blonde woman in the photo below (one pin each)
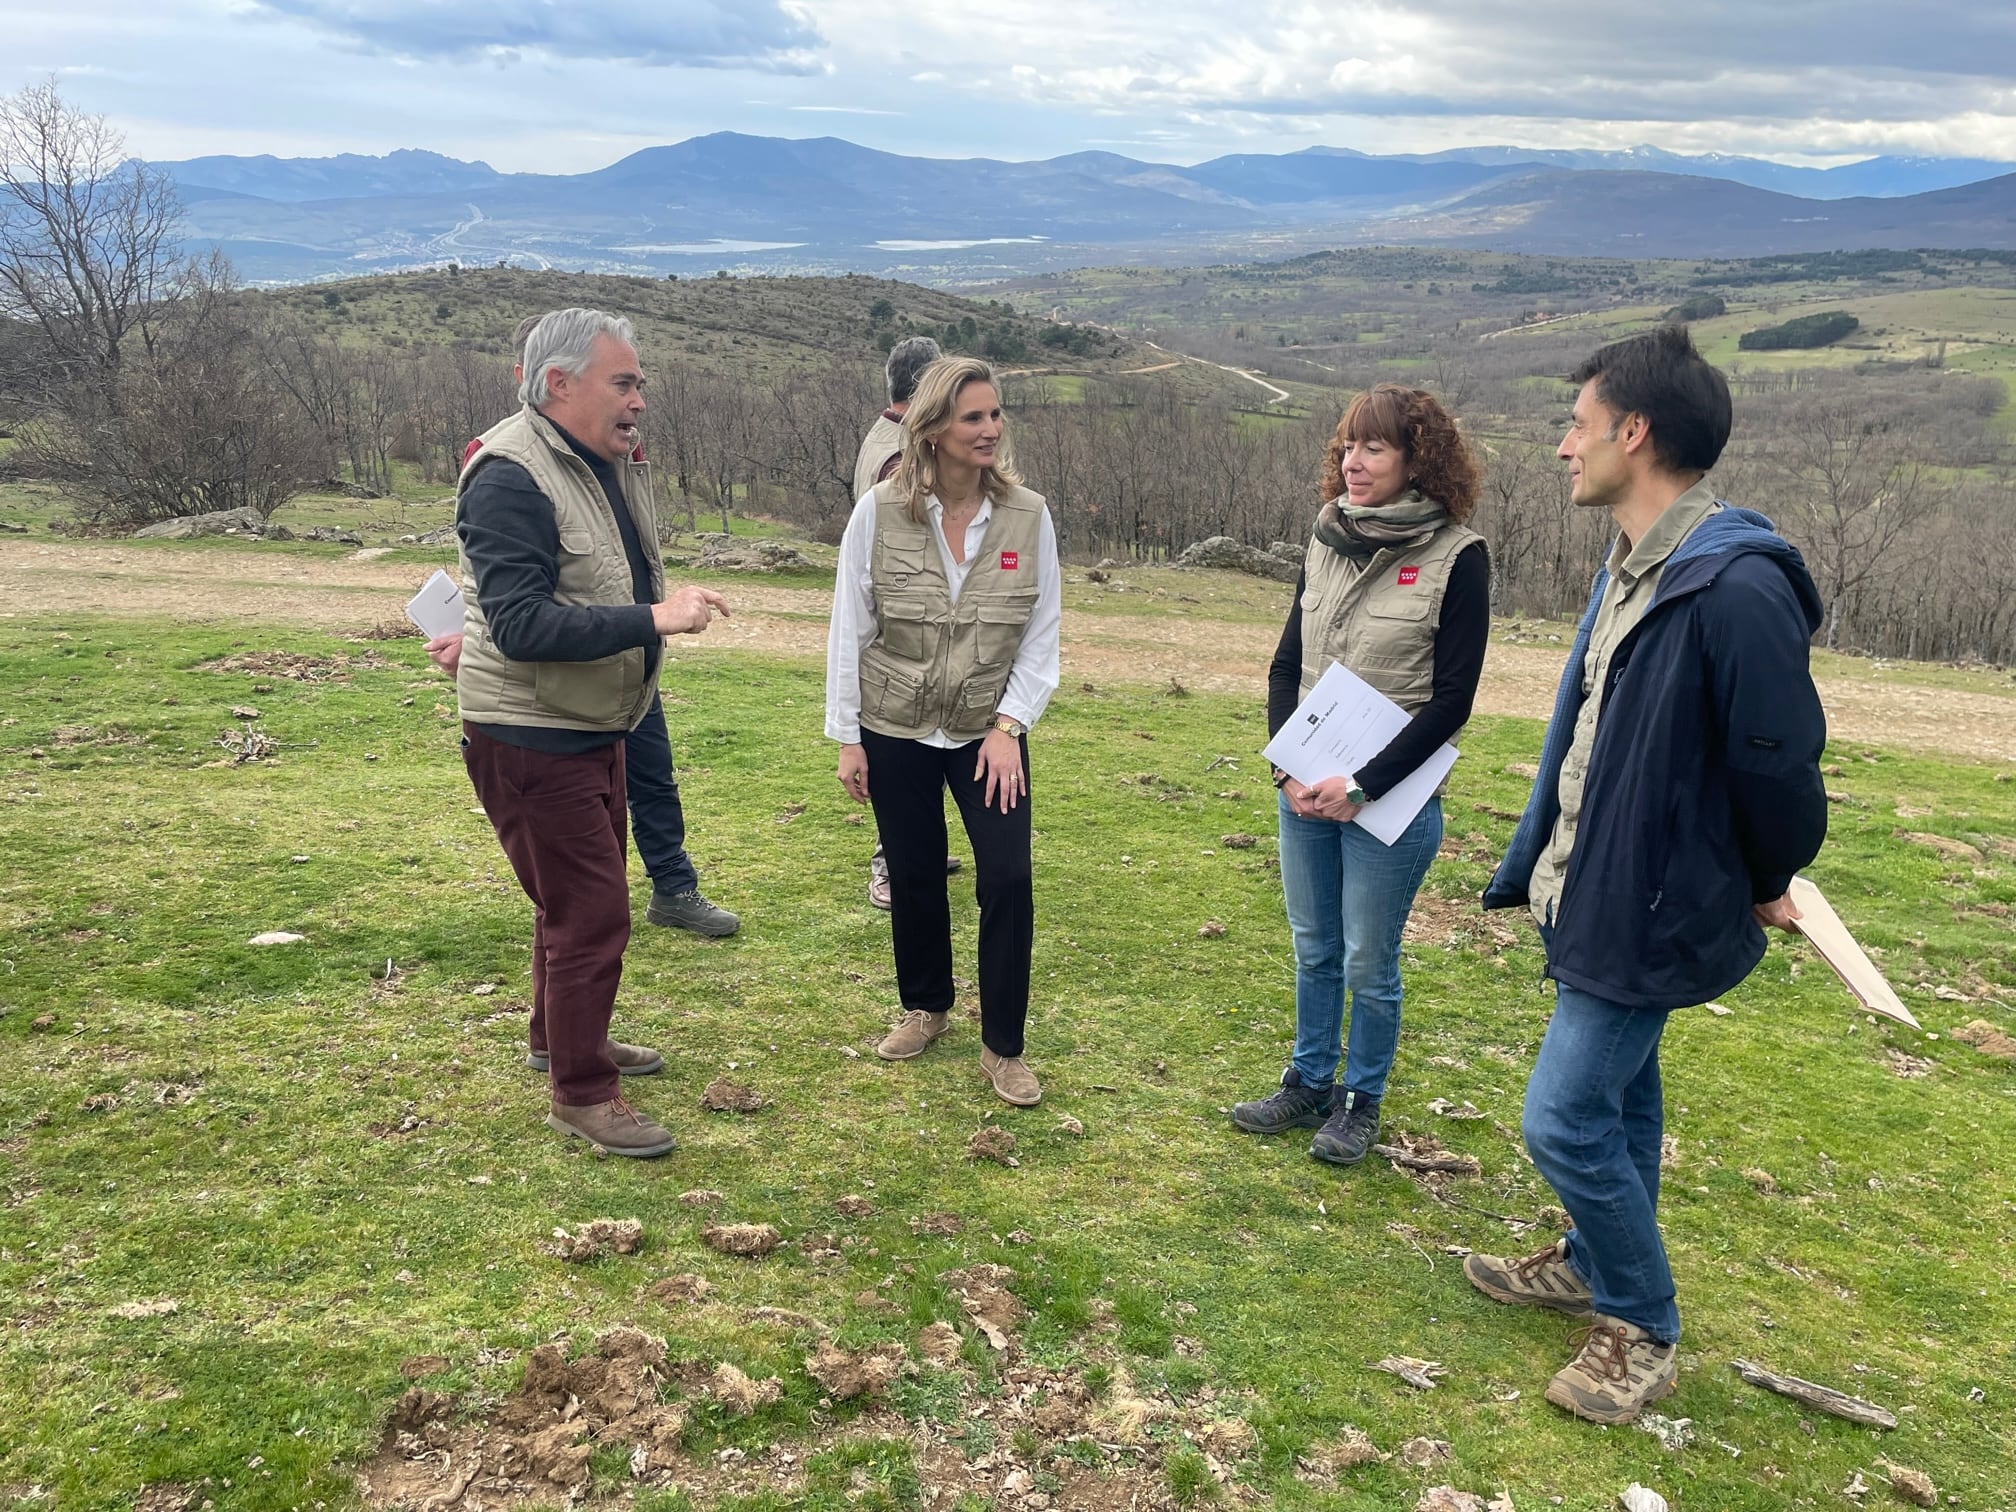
(941, 654)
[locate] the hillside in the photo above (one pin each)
(755, 328)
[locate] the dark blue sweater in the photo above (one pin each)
(1703, 795)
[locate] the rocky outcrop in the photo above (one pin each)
(247, 522)
(1236, 556)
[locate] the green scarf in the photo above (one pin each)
(1359, 531)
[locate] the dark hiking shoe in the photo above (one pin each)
(613, 1127)
(1293, 1107)
(690, 910)
(1620, 1371)
(1542, 1279)
(1347, 1135)
(631, 1060)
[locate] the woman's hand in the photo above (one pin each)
(1327, 800)
(1001, 764)
(853, 772)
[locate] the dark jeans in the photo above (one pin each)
(906, 785)
(560, 821)
(1595, 1113)
(656, 818)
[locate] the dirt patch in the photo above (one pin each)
(1951, 849)
(854, 1205)
(685, 1288)
(596, 1238)
(1458, 923)
(992, 1143)
(541, 1437)
(1986, 1038)
(164, 1496)
(938, 1225)
(939, 1343)
(295, 666)
(984, 1295)
(726, 1095)
(747, 1241)
(738, 1394)
(849, 1373)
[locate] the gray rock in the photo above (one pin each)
(218, 522)
(443, 536)
(330, 534)
(11, 528)
(1236, 556)
(1288, 551)
(725, 554)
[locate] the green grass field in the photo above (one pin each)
(330, 1167)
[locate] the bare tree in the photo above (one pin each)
(87, 241)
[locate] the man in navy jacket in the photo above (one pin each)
(1679, 791)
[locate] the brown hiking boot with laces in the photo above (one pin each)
(1542, 1279)
(1620, 1371)
(613, 1127)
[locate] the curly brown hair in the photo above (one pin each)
(1439, 461)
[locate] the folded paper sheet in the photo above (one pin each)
(1821, 925)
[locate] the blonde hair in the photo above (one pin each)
(929, 416)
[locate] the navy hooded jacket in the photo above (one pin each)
(1703, 794)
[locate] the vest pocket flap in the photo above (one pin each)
(908, 627)
(1005, 609)
(902, 558)
(891, 695)
(1397, 606)
(577, 540)
(1311, 601)
(597, 694)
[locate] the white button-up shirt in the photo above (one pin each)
(1031, 679)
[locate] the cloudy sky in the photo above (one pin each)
(568, 85)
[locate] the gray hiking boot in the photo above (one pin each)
(613, 1127)
(1347, 1135)
(1620, 1371)
(691, 910)
(1293, 1107)
(1542, 1279)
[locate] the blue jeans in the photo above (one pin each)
(1348, 899)
(656, 818)
(1595, 1112)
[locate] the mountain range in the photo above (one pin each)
(824, 204)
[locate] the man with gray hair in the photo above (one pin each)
(563, 630)
(881, 449)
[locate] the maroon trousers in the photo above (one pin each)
(560, 820)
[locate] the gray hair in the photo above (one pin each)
(564, 339)
(908, 358)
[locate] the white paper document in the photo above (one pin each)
(1341, 725)
(1830, 937)
(437, 607)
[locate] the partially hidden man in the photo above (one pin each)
(566, 615)
(1679, 791)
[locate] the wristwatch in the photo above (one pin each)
(1010, 727)
(1355, 793)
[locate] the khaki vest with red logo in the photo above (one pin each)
(934, 664)
(1378, 615)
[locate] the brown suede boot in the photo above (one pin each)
(1013, 1081)
(613, 1127)
(913, 1034)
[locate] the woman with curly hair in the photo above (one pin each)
(1395, 588)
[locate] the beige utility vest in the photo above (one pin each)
(612, 693)
(934, 664)
(1378, 615)
(883, 441)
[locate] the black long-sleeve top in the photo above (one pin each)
(505, 522)
(1460, 638)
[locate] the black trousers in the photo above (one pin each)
(906, 785)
